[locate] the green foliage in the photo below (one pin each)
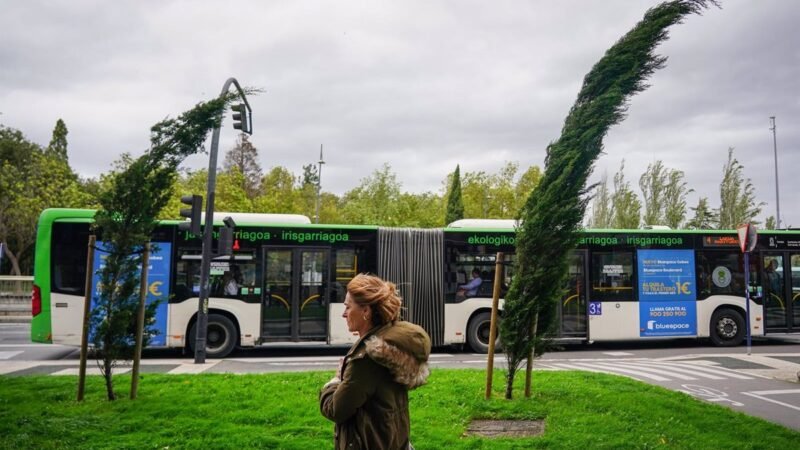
(552, 214)
(582, 411)
(455, 204)
(653, 183)
(770, 223)
(737, 196)
(704, 218)
(625, 205)
(58, 144)
(601, 205)
(31, 179)
(243, 157)
(375, 200)
(675, 199)
(130, 202)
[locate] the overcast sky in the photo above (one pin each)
(422, 85)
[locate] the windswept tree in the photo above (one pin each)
(675, 199)
(653, 183)
(625, 205)
(552, 214)
(455, 204)
(602, 208)
(737, 197)
(129, 206)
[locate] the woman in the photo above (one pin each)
(368, 399)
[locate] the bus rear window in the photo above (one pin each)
(68, 258)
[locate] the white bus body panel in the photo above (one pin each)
(618, 321)
(67, 320)
(456, 318)
(706, 308)
(248, 316)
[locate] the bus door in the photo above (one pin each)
(781, 291)
(572, 307)
(294, 303)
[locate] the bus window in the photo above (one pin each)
(612, 276)
(348, 264)
(228, 277)
(464, 266)
(721, 273)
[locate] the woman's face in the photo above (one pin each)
(354, 314)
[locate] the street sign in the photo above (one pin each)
(747, 237)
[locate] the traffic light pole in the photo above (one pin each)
(208, 233)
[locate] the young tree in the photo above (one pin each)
(244, 157)
(704, 218)
(602, 208)
(552, 214)
(58, 143)
(675, 199)
(625, 205)
(737, 196)
(455, 204)
(770, 223)
(129, 205)
(653, 184)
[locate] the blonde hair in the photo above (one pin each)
(381, 297)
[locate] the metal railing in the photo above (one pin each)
(15, 286)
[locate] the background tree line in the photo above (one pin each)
(35, 177)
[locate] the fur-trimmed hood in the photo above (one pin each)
(403, 348)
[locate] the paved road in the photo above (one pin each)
(762, 384)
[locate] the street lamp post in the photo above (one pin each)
(319, 182)
(208, 229)
(777, 193)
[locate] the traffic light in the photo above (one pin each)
(225, 242)
(241, 119)
(193, 214)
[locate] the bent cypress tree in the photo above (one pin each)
(127, 218)
(552, 214)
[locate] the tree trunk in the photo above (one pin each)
(11, 258)
(510, 384)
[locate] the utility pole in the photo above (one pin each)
(242, 116)
(777, 193)
(319, 182)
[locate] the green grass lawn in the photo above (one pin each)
(582, 411)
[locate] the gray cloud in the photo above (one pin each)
(421, 85)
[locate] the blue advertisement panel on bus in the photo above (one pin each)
(667, 294)
(157, 284)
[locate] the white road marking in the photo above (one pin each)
(9, 355)
(634, 372)
(192, 368)
(618, 353)
(761, 395)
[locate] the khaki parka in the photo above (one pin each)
(369, 404)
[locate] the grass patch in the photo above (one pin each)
(581, 410)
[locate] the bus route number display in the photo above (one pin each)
(667, 293)
(595, 308)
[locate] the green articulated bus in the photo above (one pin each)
(286, 279)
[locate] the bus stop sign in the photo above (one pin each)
(747, 237)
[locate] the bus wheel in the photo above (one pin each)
(221, 336)
(478, 333)
(727, 328)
